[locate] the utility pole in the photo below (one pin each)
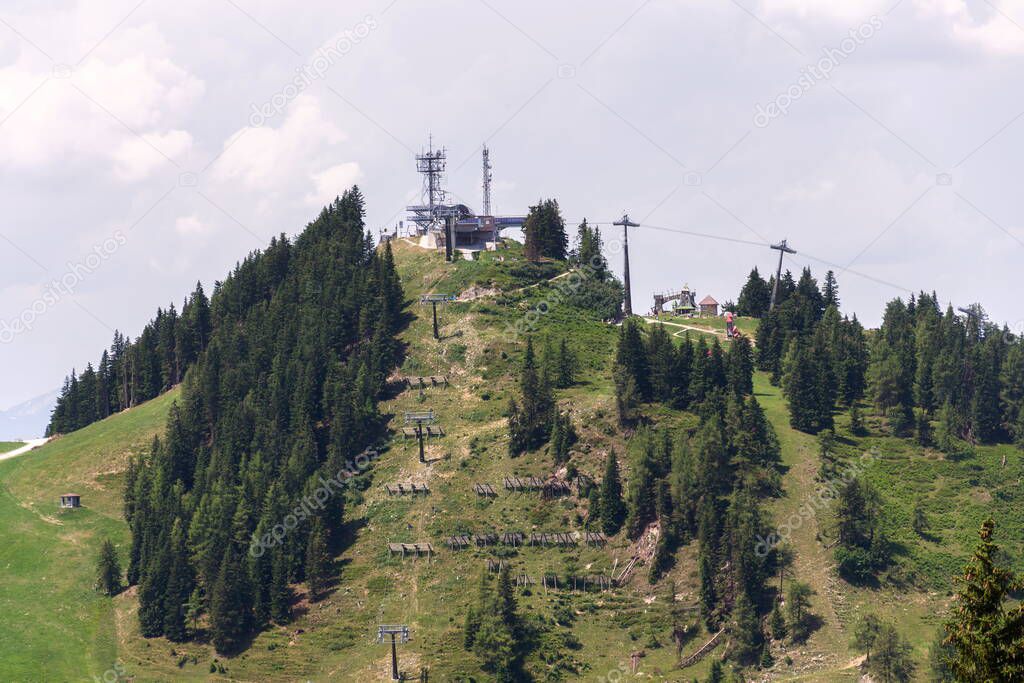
(626, 225)
(783, 249)
(396, 632)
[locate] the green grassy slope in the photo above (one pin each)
(58, 629)
(6, 446)
(55, 626)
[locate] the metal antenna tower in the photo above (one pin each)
(626, 225)
(487, 181)
(432, 165)
(783, 249)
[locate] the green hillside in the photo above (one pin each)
(57, 628)
(6, 446)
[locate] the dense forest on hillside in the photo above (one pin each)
(276, 409)
(923, 364)
(132, 372)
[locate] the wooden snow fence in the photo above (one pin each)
(406, 489)
(414, 549)
(702, 651)
(485, 490)
(424, 382)
(553, 539)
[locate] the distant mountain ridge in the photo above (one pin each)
(27, 420)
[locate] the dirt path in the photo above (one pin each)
(29, 445)
(693, 328)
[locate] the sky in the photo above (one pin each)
(145, 146)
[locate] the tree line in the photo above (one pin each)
(277, 406)
(964, 372)
(132, 372)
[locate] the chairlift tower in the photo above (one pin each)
(398, 633)
(434, 300)
(626, 224)
(419, 419)
(783, 249)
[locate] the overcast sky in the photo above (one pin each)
(145, 146)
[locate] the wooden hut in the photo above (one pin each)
(70, 501)
(708, 306)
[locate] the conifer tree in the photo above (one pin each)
(754, 297)
(544, 232)
(280, 592)
(230, 615)
(984, 632)
(642, 503)
(566, 366)
(747, 634)
(530, 421)
(317, 560)
(627, 396)
(893, 661)
(866, 632)
(613, 509)
(798, 604)
(108, 569)
(631, 355)
(740, 367)
(831, 290)
(179, 587)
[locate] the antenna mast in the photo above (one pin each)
(432, 165)
(487, 181)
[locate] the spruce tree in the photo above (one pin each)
(798, 604)
(544, 232)
(180, 584)
(530, 421)
(865, 634)
(318, 560)
(754, 297)
(747, 635)
(230, 613)
(613, 510)
(566, 366)
(894, 657)
(108, 569)
(831, 290)
(280, 591)
(984, 632)
(627, 396)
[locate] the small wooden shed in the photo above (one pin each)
(708, 306)
(70, 500)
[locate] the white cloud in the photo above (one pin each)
(833, 10)
(191, 226)
(95, 116)
(814, 190)
(137, 157)
(331, 182)
(276, 160)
